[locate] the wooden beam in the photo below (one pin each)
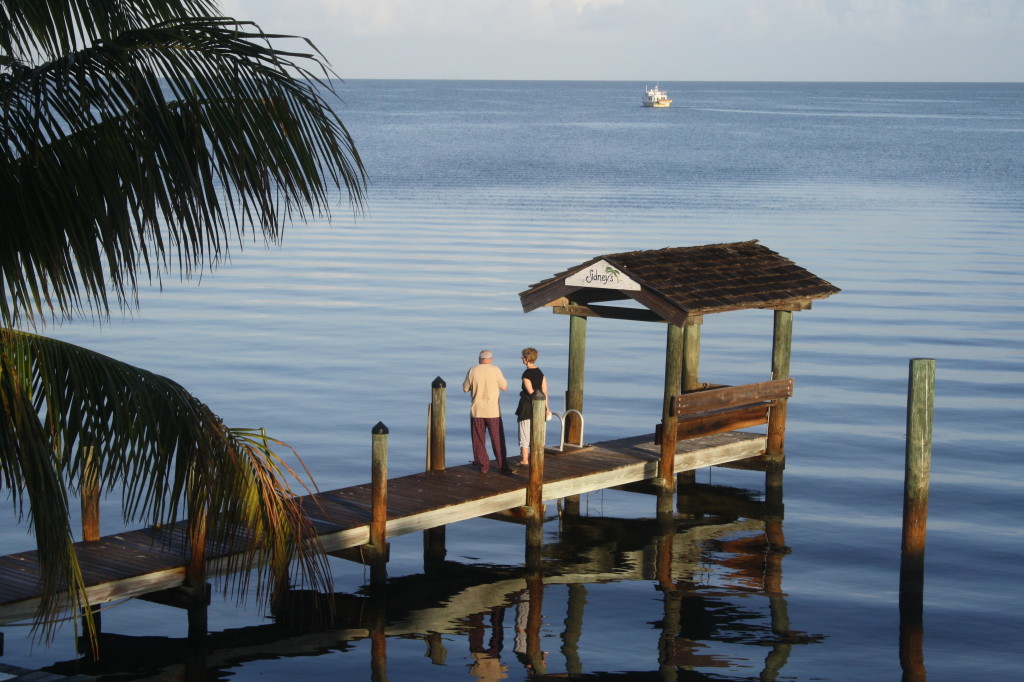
(660, 306)
(608, 312)
(793, 306)
(721, 398)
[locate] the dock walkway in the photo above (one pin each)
(140, 562)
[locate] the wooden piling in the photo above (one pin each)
(534, 489)
(436, 446)
(673, 381)
(535, 485)
(782, 344)
(673, 367)
(90, 492)
(379, 504)
(434, 550)
(574, 383)
(920, 409)
(195, 577)
(691, 353)
(90, 499)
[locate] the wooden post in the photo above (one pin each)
(669, 422)
(920, 409)
(691, 376)
(437, 425)
(90, 492)
(782, 343)
(673, 367)
(535, 487)
(434, 550)
(90, 499)
(195, 585)
(691, 352)
(379, 505)
(574, 384)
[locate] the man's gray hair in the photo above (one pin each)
(485, 354)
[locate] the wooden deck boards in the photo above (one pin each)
(147, 560)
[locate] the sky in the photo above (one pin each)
(657, 40)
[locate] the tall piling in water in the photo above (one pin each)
(920, 408)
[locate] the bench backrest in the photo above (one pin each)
(716, 410)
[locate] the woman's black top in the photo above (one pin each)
(524, 410)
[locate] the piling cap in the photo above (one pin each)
(438, 383)
(379, 429)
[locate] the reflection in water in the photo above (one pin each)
(721, 546)
(487, 663)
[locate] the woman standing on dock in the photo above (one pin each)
(533, 380)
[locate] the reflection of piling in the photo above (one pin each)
(378, 644)
(436, 651)
(673, 600)
(920, 408)
(574, 629)
(778, 656)
(534, 621)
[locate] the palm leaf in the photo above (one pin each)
(153, 150)
(162, 449)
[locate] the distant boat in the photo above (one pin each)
(656, 97)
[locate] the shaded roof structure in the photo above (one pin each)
(681, 283)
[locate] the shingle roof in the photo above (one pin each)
(676, 283)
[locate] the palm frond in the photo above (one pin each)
(154, 150)
(164, 450)
(39, 30)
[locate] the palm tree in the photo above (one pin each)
(141, 137)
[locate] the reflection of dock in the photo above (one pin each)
(450, 606)
(150, 560)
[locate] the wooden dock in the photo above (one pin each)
(141, 562)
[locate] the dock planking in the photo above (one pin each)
(139, 562)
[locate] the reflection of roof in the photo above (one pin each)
(676, 283)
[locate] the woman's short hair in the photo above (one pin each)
(530, 354)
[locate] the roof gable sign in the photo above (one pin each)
(602, 275)
(679, 283)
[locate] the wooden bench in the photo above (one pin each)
(716, 410)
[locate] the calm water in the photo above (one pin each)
(910, 197)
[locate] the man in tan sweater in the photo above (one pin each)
(485, 382)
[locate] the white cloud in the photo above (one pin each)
(667, 39)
